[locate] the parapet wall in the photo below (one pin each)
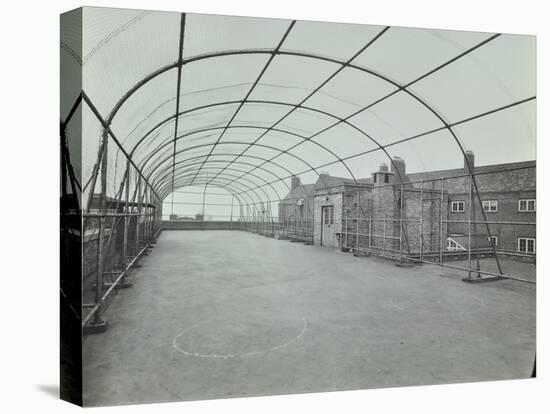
(200, 225)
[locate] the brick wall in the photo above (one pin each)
(507, 211)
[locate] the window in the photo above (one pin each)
(490, 206)
(386, 178)
(494, 239)
(457, 206)
(527, 205)
(328, 215)
(526, 245)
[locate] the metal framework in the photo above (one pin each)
(158, 162)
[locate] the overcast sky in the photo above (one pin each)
(121, 47)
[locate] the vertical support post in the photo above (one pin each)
(146, 217)
(203, 202)
(357, 221)
(401, 198)
(231, 220)
(470, 208)
(344, 241)
(126, 216)
(421, 221)
(98, 323)
(441, 201)
(384, 238)
(370, 233)
(138, 217)
(475, 228)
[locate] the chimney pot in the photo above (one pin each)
(295, 182)
(399, 169)
(469, 158)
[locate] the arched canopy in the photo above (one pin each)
(243, 104)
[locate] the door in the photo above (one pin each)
(328, 234)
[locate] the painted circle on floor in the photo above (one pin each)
(231, 338)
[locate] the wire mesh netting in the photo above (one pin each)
(350, 136)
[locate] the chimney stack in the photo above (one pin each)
(398, 168)
(295, 182)
(469, 158)
(382, 176)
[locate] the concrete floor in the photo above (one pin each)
(217, 314)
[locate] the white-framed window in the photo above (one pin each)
(328, 215)
(526, 245)
(490, 206)
(494, 239)
(457, 206)
(527, 205)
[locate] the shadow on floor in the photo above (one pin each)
(49, 389)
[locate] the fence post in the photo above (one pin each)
(98, 324)
(470, 207)
(441, 223)
(401, 198)
(421, 222)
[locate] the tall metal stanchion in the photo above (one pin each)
(126, 217)
(470, 208)
(441, 223)
(124, 283)
(421, 256)
(138, 218)
(98, 324)
(384, 238)
(357, 222)
(401, 225)
(231, 220)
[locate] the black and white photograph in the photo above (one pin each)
(273, 207)
(270, 206)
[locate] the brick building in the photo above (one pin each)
(441, 210)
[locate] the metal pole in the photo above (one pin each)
(203, 202)
(101, 230)
(126, 217)
(441, 223)
(421, 221)
(147, 215)
(232, 199)
(384, 238)
(475, 232)
(370, 233)
(401, 225)
(138, 216)
(470, 207)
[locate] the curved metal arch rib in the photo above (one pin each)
(247, 156)
(303, 138)
(233, 193)
(242, 52)
(236, 188)
(260, 145)
(237, 163)
(126, 96)
(181, 172)
(164, 174)
(279, 179)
